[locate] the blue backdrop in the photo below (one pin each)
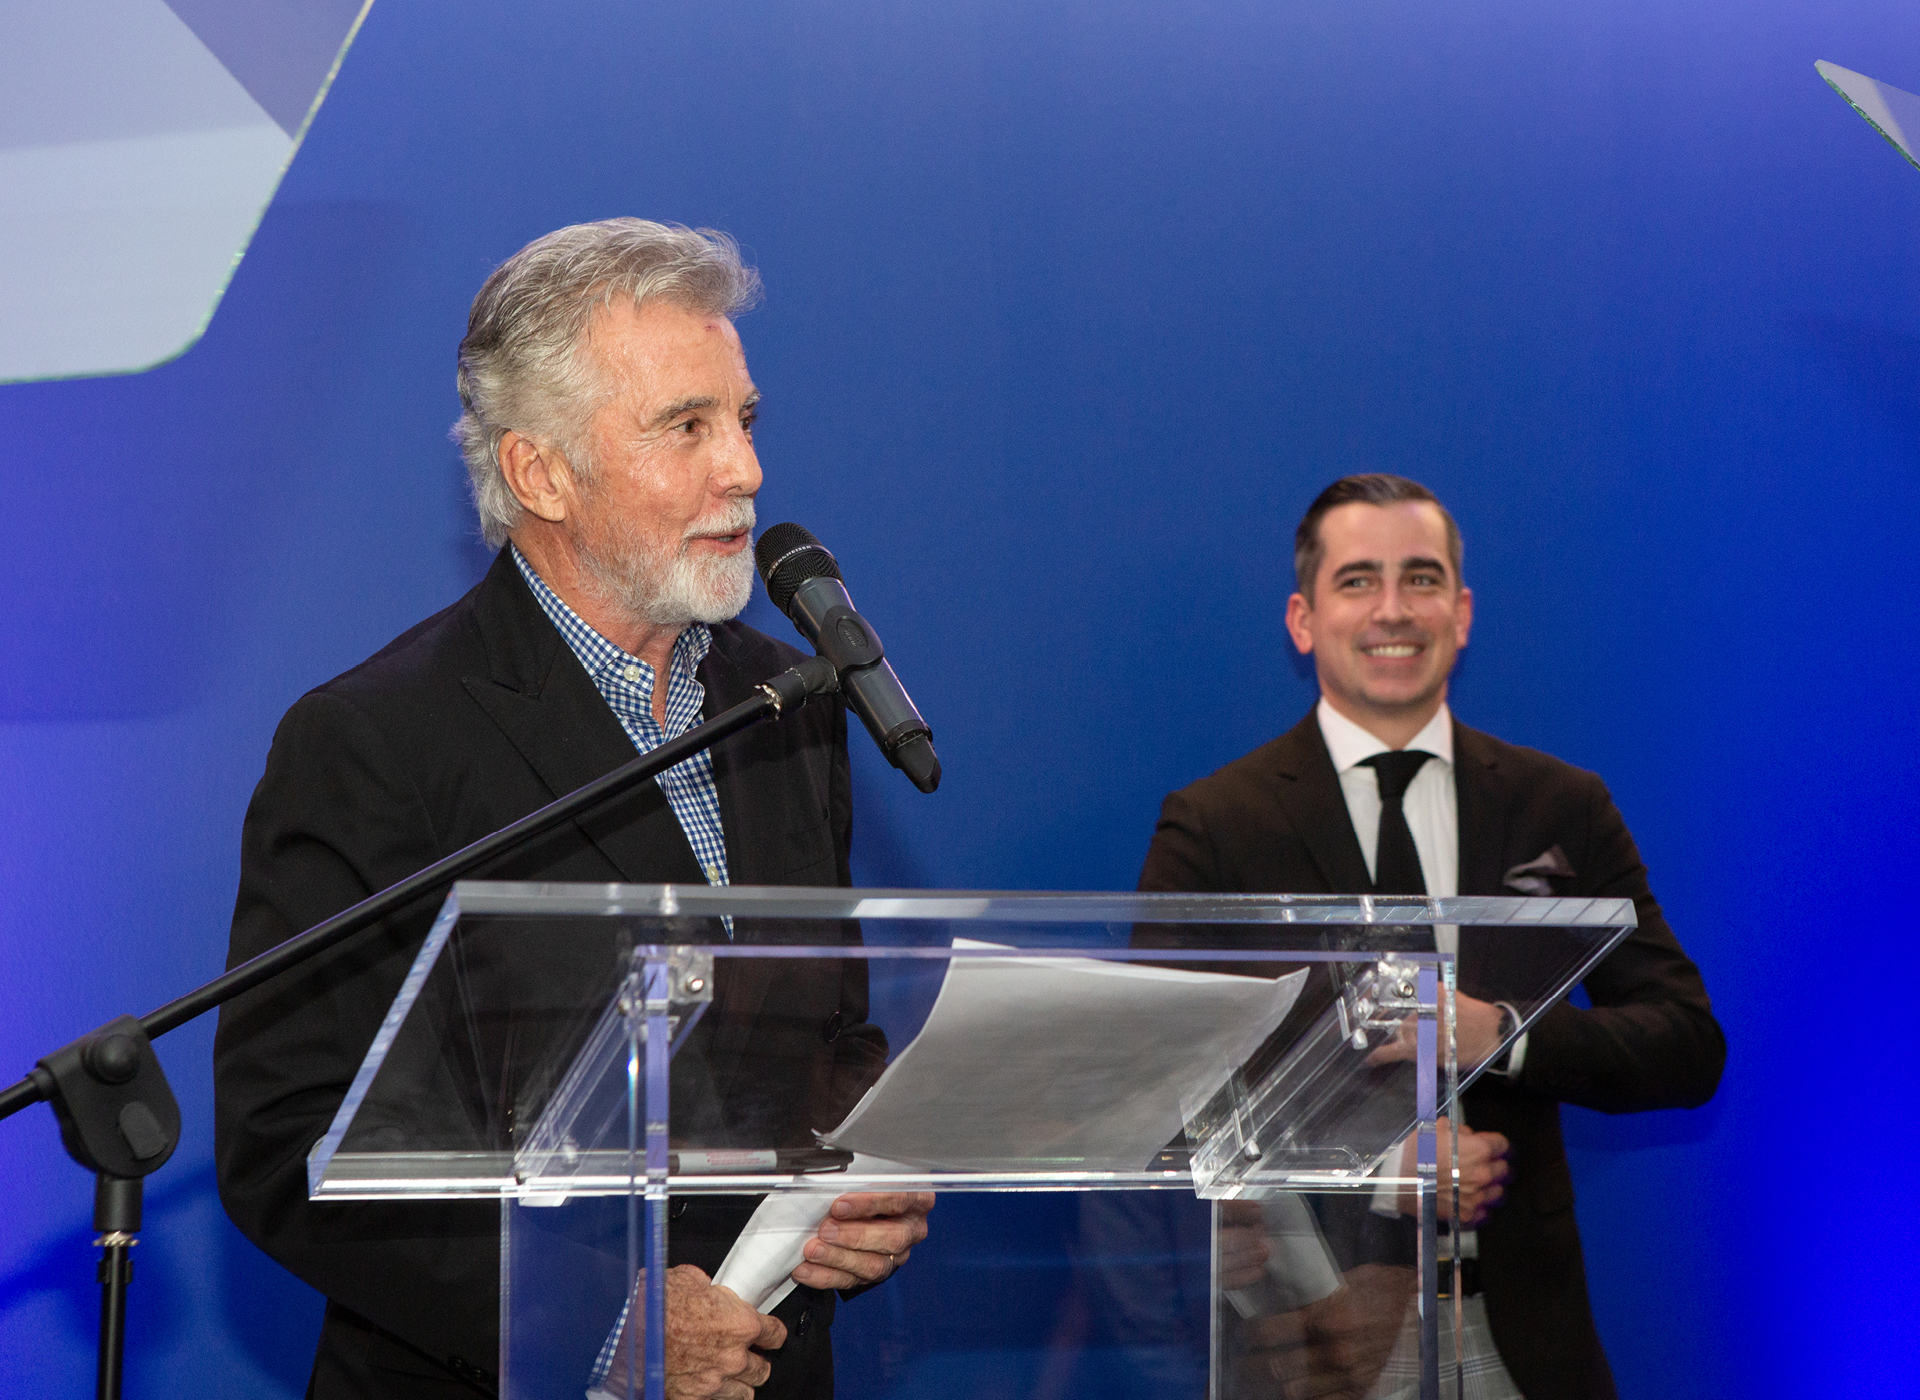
(1072, 307)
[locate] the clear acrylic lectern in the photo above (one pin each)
(650, 1075)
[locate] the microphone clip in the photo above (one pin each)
(848, 640)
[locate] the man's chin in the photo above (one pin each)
(719, 601)
(719, 612)
(1400, 702)
(1398, 696)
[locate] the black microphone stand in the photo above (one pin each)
(118, 1117)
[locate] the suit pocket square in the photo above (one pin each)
(1531, 877)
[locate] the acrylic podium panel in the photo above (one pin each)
(605, 1058)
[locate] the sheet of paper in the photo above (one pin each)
(1300, 1268)
(770, 1247)
(1074, 1062)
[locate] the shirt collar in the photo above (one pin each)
(1349, 745)
(601, 658)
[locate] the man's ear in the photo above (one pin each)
(1462, 616)
(537, 476)
(1299, 611)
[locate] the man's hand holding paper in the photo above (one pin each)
(823, 1240)
(864, 1238)
(714, 1341)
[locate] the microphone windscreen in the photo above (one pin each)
(787, 556)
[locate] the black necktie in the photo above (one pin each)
(1396, 861)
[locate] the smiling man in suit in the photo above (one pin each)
(1380, 789)
(608, 433)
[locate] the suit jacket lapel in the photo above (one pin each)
(1484, 810)
(1307, 787)
(547, 706)
(1309, 792)
(1483, 813)
(753, 836)
(741, 984)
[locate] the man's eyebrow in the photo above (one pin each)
(1433, 565)
(1360, 566)
(680, 406)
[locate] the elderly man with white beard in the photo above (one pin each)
(608, 434)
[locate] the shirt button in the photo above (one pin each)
(713, 874)
(633, 673)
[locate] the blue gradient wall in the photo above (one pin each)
(1071, 308)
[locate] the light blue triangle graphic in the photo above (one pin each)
(1888, 110)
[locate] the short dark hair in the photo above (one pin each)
(1371, 489)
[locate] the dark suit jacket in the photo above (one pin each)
(1276, 822)
(472, 719)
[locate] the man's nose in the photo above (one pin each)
(737, 472)
(1392, 606)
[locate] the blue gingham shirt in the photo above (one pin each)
(626, 683)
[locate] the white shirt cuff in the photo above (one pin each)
(1386, 1194)
(1517, 1056)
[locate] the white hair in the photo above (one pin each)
(521, 367)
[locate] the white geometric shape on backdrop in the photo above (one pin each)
(1888, 110)
(136, 167)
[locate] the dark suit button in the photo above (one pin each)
(804, 1324)
(467, 1371)
(835, 1024)
(678, 1208)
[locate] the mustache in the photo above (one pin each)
(735, 519)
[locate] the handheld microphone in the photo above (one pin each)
(804, 582)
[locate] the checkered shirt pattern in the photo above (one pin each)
(609, 1350)
(626, 684)
(1482, 1370)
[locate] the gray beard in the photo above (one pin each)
(675, 591)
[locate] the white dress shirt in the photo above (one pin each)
(1431, 806)
(1433, 813)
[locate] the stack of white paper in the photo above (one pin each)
(1072, 1063)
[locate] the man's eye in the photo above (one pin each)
(747, 420)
